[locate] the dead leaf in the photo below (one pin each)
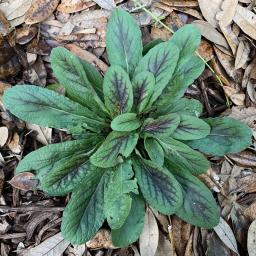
(250, 212)
(246, 183)
(24, 181)
(40, 10)
(210, 33)
(54, 245)
(246, 20)
(238, 99)
(164, 246)
(251, 240)
(44, 134)
(102, 239)
(106, 4)
(226, 235)
(14, 144)
(242, 54)
(210, 9)
(215, 246)
(244, 159)
(25, 34)
(3, 135)
(205, 50)
(231, 37)
(71, 6)
(150, 235)
(225, 16)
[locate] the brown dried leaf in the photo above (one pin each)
(205, 50)
(246, 184)
(251, 241)
(40, 10)
(225, 16)
(150, 235)
(25, 34)
(24, 181)
(226, 235)
(71, 6)
(181, 3)
(244, 159)
(250, 211)
(3, 135)
(164, 246)
(14, 144)
(210, 9)
(106, 4)
(242, 54)
(238, 99)
(210, 33)
(215, 246)
(231, 37)
(246, 20)
(102, 239)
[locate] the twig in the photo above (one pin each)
(35, 208)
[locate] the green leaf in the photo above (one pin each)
(199, 207)
(184, 75)
(117, 90)
(154, 150)
(73, 74)
(179, 154)
(161, 61)
(133, 225)
(160, 189)
(47, 108)
(191, 128)
(84, 214)
(49, 155)
(143, 87)
(182, 106)
(150, 45)
(227, 136)
(117, 200)
(123, 40)
(126, 122)
(163, 126)
(68, 174)
(117, 144)
(187, 39)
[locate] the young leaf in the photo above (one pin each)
(123, 40)
(126, 122)
(133, 225)
(184, 75)
(143, 87)
(154, 150)
(117, 90)
(117, 144)
(84, 214)
(117, 200)
(73, 73)
(187, 39)
(199, 208)
(47, 108)
(163, 126)
(160, 189)
(183, 156)
(184, 106)
(161, 61)
(227, 136)
(68, 174)
(191, 128)
(47, 156)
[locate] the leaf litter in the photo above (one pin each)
(227, 26)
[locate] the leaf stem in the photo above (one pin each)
(136, 2)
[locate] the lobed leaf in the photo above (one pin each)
(133, 225)
(123, 41)
(160, 189)
(163, 126)
(47, 108)
(143, 87)
(84, 214)
(227, 136)
(191, 128)
(199, 208)
(161, 61)
(117, 199)
(117, 90)
(154, 150)
(184, 157)
(117, 144)
(126, 122)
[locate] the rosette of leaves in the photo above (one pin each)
(134, 135)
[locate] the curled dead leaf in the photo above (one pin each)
(24, 181)
(14, 144)
(40, 10)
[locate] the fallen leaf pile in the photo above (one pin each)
(29, 219)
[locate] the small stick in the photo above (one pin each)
(35, 208)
